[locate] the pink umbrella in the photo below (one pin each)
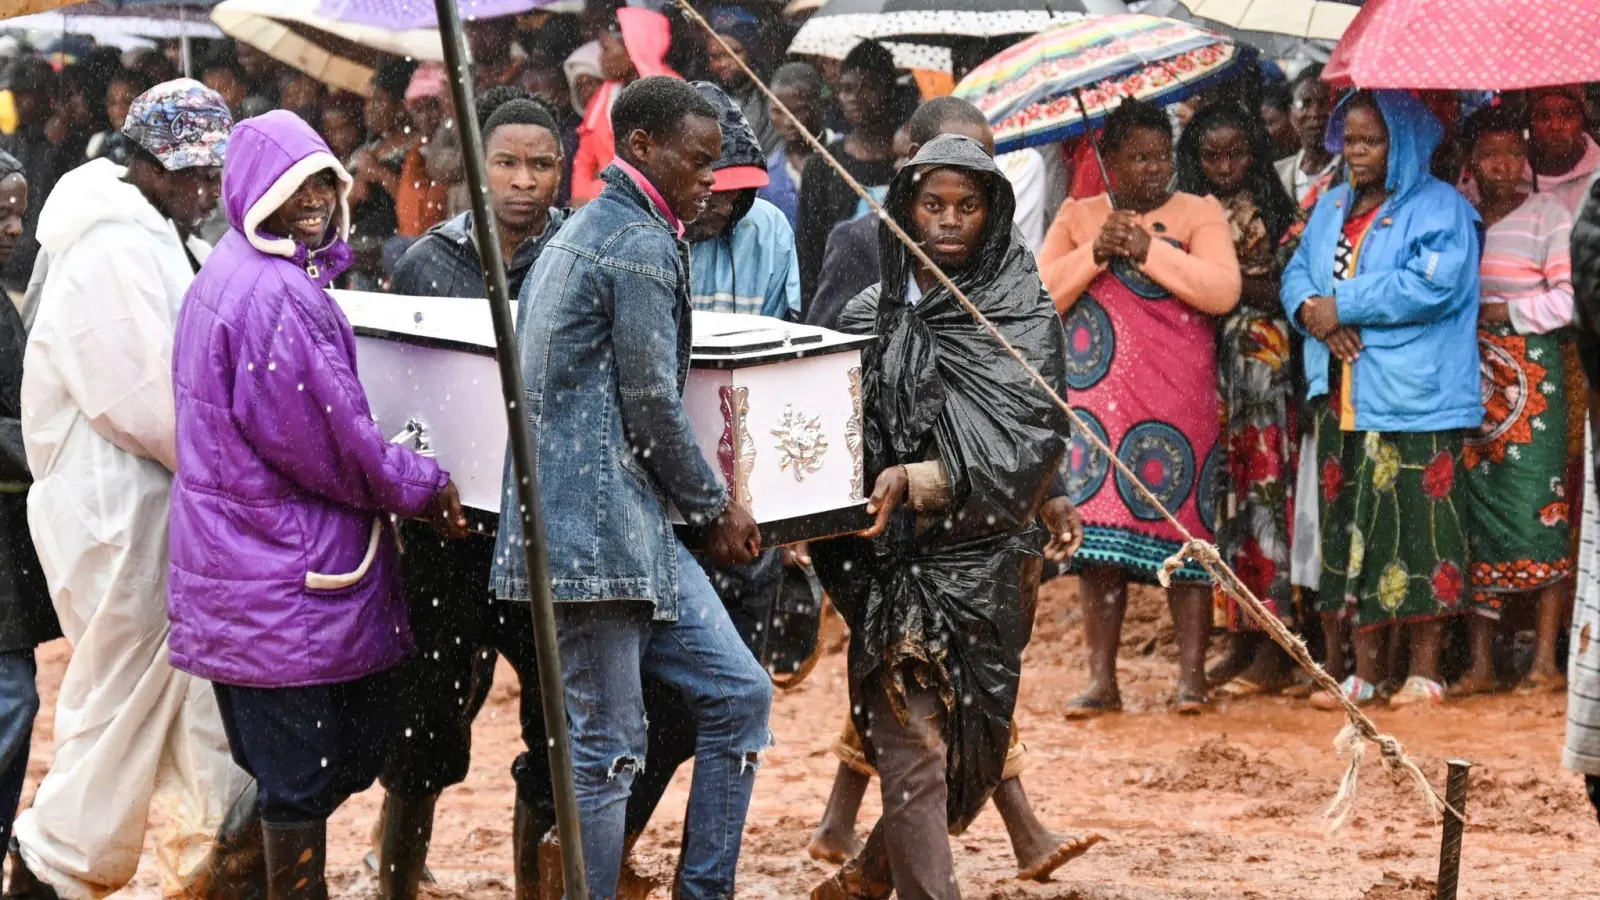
(1499, 45)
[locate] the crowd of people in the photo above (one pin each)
(1336, 332)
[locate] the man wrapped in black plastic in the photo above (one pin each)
(962, 447)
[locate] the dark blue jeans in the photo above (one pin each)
(607, 649)
(309, 748)
(19, 703)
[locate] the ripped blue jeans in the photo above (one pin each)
(606, 648)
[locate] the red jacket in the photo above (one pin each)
(648, 36)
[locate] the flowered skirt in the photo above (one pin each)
(1394, 540)
(1143, 374)
(1254, 495)
(1514, 468)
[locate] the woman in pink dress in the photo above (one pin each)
(1140, 277)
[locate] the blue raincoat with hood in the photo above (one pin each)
(1414, 296)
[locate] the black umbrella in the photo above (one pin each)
(841, 24)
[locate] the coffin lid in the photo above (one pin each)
(721, 340)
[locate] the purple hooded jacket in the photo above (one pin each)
(283, 568)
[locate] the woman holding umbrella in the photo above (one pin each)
(1385, 283)
(1140, 275)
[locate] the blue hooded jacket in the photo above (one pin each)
(1415, 293)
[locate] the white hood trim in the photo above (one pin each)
(282, 190)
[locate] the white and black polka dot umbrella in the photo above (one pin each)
(841, 24)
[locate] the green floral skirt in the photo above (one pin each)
(1394, 539)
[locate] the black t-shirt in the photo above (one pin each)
(825, 201)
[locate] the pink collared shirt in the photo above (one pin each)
(651, 192)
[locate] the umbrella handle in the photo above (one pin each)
(1094, 145)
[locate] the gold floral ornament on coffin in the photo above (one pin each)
(801, 443)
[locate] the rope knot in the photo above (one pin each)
(1203, 552)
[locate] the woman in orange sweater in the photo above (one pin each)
(1139, 277)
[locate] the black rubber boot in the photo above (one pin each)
(24, 885)
(236, 867)
(405, 829)
(528, 828)
(297, 857)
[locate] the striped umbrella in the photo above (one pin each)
(1062, 82)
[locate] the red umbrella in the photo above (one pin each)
(1499, 45)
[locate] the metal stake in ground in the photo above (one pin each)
(552, 692)
(1455, 796)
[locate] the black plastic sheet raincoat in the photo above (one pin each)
(939, 595)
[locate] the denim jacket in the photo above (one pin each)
(604, 339)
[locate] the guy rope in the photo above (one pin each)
(1360, 729)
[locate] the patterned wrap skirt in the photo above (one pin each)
(1142, 368)
(1394, 524)
(1254, 493)
(1514, 469)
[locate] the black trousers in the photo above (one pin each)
(460, 629)
(308, 748)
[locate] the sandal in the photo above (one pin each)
(1086, 707)
(1245, 687)
(1418, 691)
(1301, 687)
(1354, 689)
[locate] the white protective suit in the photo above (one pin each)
(97, 421)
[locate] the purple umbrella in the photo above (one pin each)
(403, 15)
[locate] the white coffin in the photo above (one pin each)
(775, 406)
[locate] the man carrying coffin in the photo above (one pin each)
(962, 447)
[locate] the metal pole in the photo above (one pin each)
(542, 606)
(183, 43)
(1455, 794)
(1094, 145)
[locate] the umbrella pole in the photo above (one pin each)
(1094, 145)
(183, 43)
(551, 690)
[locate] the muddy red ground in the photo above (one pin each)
(1224, 806)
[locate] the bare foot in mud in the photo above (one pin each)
(833, 845)
(1239, 656)
(1474, 683)
(1038, 863)
(1541, 682)
(1096, 701)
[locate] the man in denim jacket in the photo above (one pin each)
(605, 354)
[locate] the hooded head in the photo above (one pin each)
(647, 36)
(269, 158)
(938, 222)
(742, 31)
(740, 171)
(1413, 134)
(582, 69)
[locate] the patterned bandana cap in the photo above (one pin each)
(182, 122)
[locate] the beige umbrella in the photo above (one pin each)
(1317, 20)
(12, 8)
(339, 54)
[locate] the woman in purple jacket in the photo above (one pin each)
(284, 589)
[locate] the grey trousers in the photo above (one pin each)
(913, 835)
